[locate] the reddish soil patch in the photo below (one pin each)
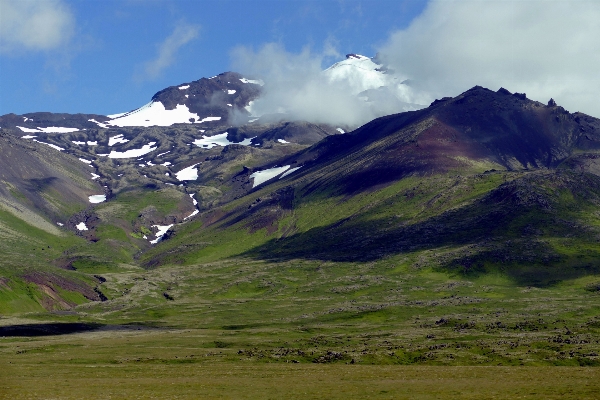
(49, 285)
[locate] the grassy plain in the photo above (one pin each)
(497, 296)
(243, 328)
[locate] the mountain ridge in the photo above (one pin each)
(200, 188)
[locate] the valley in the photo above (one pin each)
(192, 241)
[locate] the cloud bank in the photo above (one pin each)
(543, 48)
(296, 87)
(167, 51)
(34, 25)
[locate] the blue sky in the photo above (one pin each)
(110, 56)
(108, 59)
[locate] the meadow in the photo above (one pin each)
(247, 328)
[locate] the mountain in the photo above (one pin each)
(194, 176)
(479, 128)
(204, 100)
(38, 179)
(87, 192)
(185, 135)
(484, 180)
(368, 79)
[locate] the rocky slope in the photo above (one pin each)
(484, 180)
(194, 176)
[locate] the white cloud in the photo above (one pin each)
(34, 25)
(167, 50)
(543, 48)
(296, 85)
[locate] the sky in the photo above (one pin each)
(111, 56)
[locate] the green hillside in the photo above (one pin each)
(465, 234)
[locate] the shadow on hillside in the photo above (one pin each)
(492, 231)
(48, 329)
(63, 328)
(39, 184)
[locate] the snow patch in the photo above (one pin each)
(289, 171)
(261, 177)
(155, 114)
(95, 176)
(81, 226)
(147, 148)
(188, 174)
(28, 137)
(194, 201)
(253, 81)
(162, 229)
(85, 161)
(184, 87)
(208, 142)
(60, 224)
(58, 129)
(192, 214)
(282, 141)
(90, 143)
(230, 91)
(113, 116)
(28, 130)
(340, 130)
(100, 124)
(49, 144)
(360, 73)
(97, 198)
(117, 139)
(209, 119)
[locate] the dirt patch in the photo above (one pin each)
(4, 283)
(49, 284)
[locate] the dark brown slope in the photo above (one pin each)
(479, 128)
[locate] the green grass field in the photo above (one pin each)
(246, 328)
(230, 311)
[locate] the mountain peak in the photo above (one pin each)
(356, 56)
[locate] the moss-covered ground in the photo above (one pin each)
(498, 297)
(244, 328)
